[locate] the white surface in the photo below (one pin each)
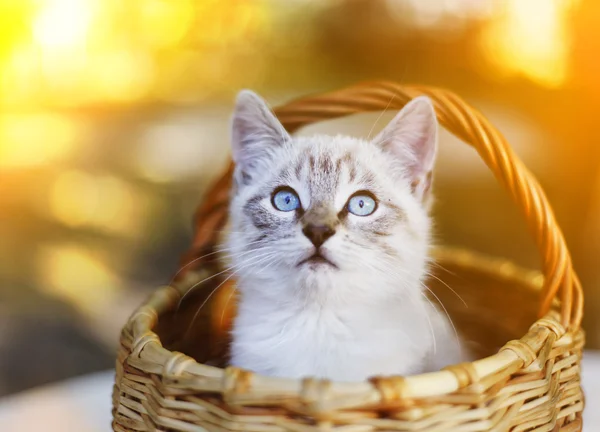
(84, 404)
(80, 404)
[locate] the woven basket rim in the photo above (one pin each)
(148, 347)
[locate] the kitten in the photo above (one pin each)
(329, 240)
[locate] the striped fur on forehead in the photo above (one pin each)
(325, 170)
(350, 162)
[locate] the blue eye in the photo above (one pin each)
(286, 200)
(361, 205)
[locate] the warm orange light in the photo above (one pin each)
(80, 52)
(531, 39)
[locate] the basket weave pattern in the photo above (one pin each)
(531, 384)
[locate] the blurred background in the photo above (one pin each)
(114, 120)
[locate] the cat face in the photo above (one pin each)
(320, 215)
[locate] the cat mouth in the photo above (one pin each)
(317, 259)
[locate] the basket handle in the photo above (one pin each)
(469, 125)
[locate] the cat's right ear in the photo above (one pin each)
(411, 140)
(255, 134)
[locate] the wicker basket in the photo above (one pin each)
(531, 383)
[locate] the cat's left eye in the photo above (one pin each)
(285, 199)
(362, 204)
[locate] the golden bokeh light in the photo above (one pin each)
(72, 200)
(173, 17)
(532, 39)
(120, 75)
(76, 276)
(82, 52)
(63, 24)
(220, 23)
(20, 82)
(78, 199)
(31, 140)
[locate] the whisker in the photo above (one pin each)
(445, 311)
(219, 286)
(265, 267)
(407, 291)
(209, 278)
(431, 324)
(204, 256)
(235, 289)
(439, 280)
(448, 286)
(227, 304)
(441, 267)
(380, 115)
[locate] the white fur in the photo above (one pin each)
(370, 316)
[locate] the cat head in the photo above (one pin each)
(322, 214)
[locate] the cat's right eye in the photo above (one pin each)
(362, 204)
(285, 199)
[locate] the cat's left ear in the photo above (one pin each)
(255, 135)
(411, 138)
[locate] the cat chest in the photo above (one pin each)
(328, 335)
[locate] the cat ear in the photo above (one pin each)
(411, 138)
(255, 133)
